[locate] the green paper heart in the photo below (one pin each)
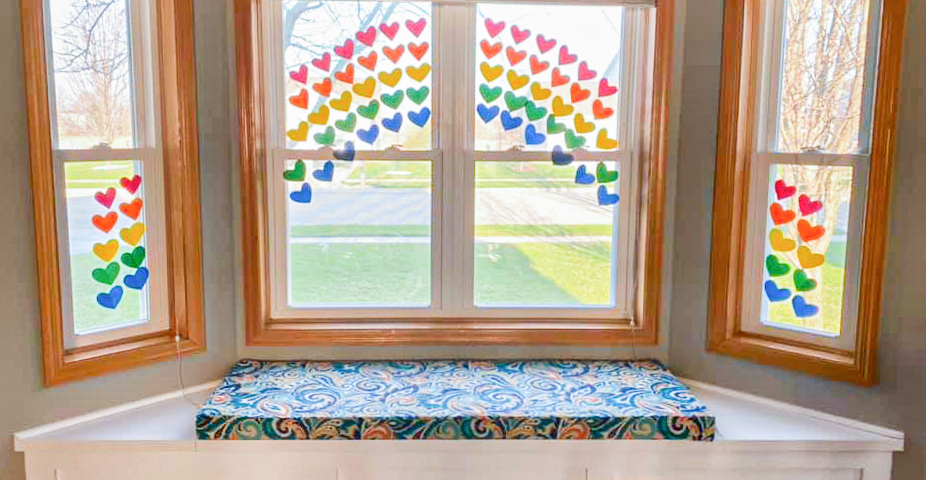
(135, 258)
(534, 112)
(775, 267)
(326, 138)
(605, 175)
(348, 124)
(514, 102)
(394, 100)
(370, 110)
(802, 283)
(107, 275)
(418, 95)
(574, 141)
(297, 174)
(553, 127)
(489, 94)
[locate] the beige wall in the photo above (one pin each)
(899, 401)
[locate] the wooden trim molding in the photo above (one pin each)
(264, 330)
(180, 140)
(737, 120)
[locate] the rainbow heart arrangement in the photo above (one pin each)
(792, 249)
(132, 236)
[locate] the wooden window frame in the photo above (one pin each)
(263, 329)
(738, 112)
(179, 144)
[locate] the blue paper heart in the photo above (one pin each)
(487, 113)
(802, 309)
(347, 153)
(420, 118)
(560, 157)
(605, 198)
(776, 294)
(303, 195)
(509, 122)
(110, 300)
(138, 280)
(531, 137)
(368, 136)
(583, 177)
(394, 123)
(326, 173)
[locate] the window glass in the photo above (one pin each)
(91, 74)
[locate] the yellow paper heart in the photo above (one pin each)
(132, 235)
(539, 92)
(342, 104)
(419, 73)
(809, 259)
(560, 109)
(490, 73)
(366, 88)
(299, 134)
(604, 142)
(582, 126)
(108, 251)
(392, 79)
(516, 81)
(779, 242)
(321, 116)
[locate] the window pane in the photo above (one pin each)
(541, 238)
(826, 77)
(805, 248)
(359, 233)
(91, 73)
(547, 75)
(357, 72)
(106, 244)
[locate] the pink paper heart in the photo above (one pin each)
(585, 73)
(346, 50)
(519, 35)
(565, 57)
(604, 89)
(367, 37)
(301, 76)
(494, 28)
(416, 27)
(323, 63)
(783, 191)
(389, 30)
(808, 207)
(106, 199)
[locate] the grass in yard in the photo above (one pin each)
(829, 300)
(406, 174)
(425, 230)
(98, 175)
(88, 314)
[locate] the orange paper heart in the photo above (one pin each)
(347, 76)
(132, 210)
(600, 111)
(394, 54)
(418, 51)
(301, 100)
(779, 215)
(558, 79)
(105, 223)
(368, 62)
(578, 94)
(808, 232)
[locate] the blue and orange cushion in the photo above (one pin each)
(272, 400)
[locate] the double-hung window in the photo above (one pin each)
(113, 144)
(450, 171)
(803, 173)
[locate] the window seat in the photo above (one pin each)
(755, 438)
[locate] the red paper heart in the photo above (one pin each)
(394, 53)
(323, 63)
(809, 233)
(808, 207)
(418, 51)
(514, 56)
(368, 62)
(301, 100)
(544, 44)
(389, 30)
(600, 111)
(346, 50)
(367, 37)
(537, 66)
(106, 199)
(130, 185)
(323, 88)
(489, 49)
(519, 35)
(494, 28)
(783, 191)
(132, 210)
(416, 27)
(105, 223)
(604, 89)
(578, 94)
(347, 76)
(301, 76)
(585, 73)
(558, 79)
(780, 216)
(565, 57)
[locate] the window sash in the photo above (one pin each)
(453, 160)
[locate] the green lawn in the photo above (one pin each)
(411, 174)
(425, 230)
(97, 175)
(87, 313)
